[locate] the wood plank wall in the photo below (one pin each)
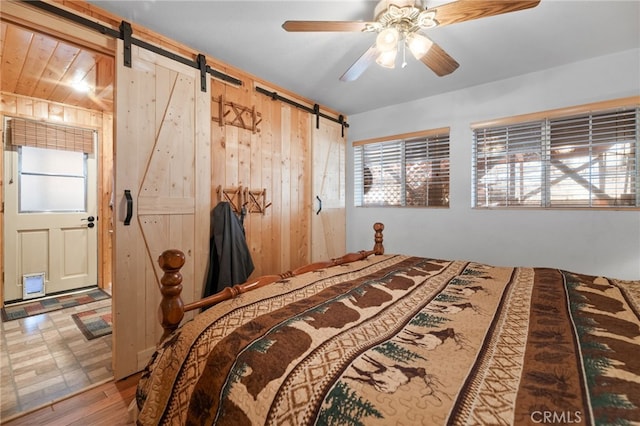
(26, 107)
(276, 157)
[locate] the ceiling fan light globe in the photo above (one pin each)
(387, 59)
(418, 44)
(387, 39)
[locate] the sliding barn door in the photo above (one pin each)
(162, 180)
(328, 223)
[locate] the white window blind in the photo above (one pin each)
(509, 165)
(589, 160)
(412, 172)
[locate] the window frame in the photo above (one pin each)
(545, 120)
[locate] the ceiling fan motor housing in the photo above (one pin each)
(405, 16)
(383, 5)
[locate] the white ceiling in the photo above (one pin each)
(249, 36)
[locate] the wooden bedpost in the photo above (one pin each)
(378, 248)
(171, 309)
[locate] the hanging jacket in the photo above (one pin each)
(230, 260)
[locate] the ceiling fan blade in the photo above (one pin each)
(439, 61)
(360, 65)
(345, 26)
(467, 10)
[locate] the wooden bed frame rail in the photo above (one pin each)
(171, 310)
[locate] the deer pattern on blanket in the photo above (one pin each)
(403, 339)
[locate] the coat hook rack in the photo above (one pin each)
(256, 200)
(236, 115)
(231, 195)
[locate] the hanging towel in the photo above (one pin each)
(230, 260)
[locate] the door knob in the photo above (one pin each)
(90, 219)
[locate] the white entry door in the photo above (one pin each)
(50, 220)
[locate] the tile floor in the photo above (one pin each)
(46, 357)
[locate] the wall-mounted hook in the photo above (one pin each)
(257, 200)
(231, 195)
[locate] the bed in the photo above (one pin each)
(379, 339)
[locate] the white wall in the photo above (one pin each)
(591, 242)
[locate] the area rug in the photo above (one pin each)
(41, 306)
(94, 323)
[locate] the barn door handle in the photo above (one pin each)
(127, 195)
(319, 205)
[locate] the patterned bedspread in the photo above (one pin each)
(406, 340)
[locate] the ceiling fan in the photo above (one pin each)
(399, 24)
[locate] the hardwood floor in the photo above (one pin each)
(105, 404)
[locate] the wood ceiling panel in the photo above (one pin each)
(15, 45)
(54, 76)
(40, 51)
(83, 69)
(43, 67)
(3, 35)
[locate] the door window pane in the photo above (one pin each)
(52, 161)
(52, 180)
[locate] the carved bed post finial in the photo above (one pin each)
(171, 309)
(378, 248)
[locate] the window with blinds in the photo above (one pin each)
(411, 172)
(589, 160)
